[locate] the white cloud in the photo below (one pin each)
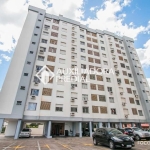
(144, 54)
(7, 58)
(93, 8)
(148, 79)
(13, 14)
(0, 61)
(110, 17)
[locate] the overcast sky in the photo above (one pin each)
(123, 17)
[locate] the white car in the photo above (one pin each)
(25, 133)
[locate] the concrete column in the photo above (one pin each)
(108, 124)
(1, 124)
(73, 128)
(90, 128)
(100, 124)
(49, 130)
(80, 129)
(120, 125)
(17, 132)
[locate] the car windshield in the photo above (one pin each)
(115, 131)
(137, 129)
(25, 130)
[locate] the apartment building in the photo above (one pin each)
(71, 108)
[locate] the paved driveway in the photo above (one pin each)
(69, 143)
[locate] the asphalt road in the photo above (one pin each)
(69, 143)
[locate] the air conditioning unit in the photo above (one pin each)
(136, 96)
(119, 83)
(72, 114)
(72, 99)
(36, 83)
(123, 103)
(121, 93)
(126, 116)
(41, 51)
(33, 97)
(110, 92)
(72, 87)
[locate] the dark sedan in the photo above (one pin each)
(112, 138)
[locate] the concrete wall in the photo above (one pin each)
(37, 131)
(11, 128)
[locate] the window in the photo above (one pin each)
(36, 80)
(113, 111)
(140, 112)
(47, 92)
(37, 27)
(51, 58)
(82, 43)
(60, 94)
(83, 66)
(94, 97)
(100, 87)
(90, 52)
(102, 42)
(83, 58)
(99, 78)
(63, 52)
(94, 40)
(134, 111)
(96, 53)
(41, 58)
(28, 62)
(117, 45)
(103, 48)
(25, 74)
(126, 81)
(84, 97)
(94, 34)
(44, 41)
(22, 88)
(85, 109)
(131, 100)
(105, 62)
(124, 73)
(35, 34)
(33, 43)
(93, 86)
(111, 99)
(104, 55)
(132, 83)
(108, 80)
(59, 107)
(32, 106)
(100, 36)
(19, 103)
(137, 102)
(45, 105)
(84, 86)
(34, 92)
(95, 109)
(82, 50)
(31, 52)
(81, 30)
(53, 42)
(129, 90)
(55, 27)
(102, 98)
(121, 58)
(55, 21)
(52, 49)
(97, 61)
(129, 75)
(92, 76)
(109, 89)
(54, 34)
(62, 61)
(122, 65)
(90, 59)
(88, 39)
(45, 33)
(103, 109)
(74, 109)
(118, 51)
(63, 36)
(82, 36)
(89, 45)
(126, 60)
(127, 67)
(95, 46)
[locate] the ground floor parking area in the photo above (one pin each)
(68, 143)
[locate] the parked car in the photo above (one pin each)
(25, 133)
(140, 134)
(112, 138)
(127, 131)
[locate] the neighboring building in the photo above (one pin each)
(107, 100)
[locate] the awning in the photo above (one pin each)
(144, 125)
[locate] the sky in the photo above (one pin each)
(122, 17)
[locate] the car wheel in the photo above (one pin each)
(137, 138)
(95, 141)
(111, 144)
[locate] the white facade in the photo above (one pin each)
(73, 47)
